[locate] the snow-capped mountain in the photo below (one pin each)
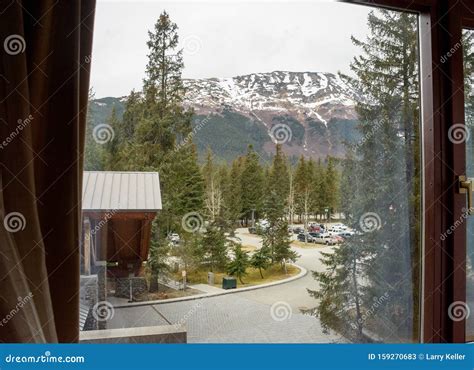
(310, 113)
(317, 95)
(313, 112)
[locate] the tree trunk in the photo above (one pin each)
(153, 283)
(357, 302)
(260, 270)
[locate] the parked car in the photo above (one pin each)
(314, 235)
(264, 224)
(316, 228)
(340, 227)
(346, 234)
(305, 237)
(174, 238)
(325, 239)
(298, 230)
(339, 239)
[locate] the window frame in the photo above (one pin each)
(442, 103)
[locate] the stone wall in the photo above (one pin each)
(100, 269)
(149, 334)
(88, 295)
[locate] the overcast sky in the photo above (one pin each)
(225, 38)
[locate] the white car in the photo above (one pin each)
(263, 224)
(325, 239)
(338, 227)
(174, 237)
(346, 233)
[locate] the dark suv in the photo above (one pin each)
(305, 237)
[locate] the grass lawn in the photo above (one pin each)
(252, 278)
(166, 293)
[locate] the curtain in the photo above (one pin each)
(45, 51)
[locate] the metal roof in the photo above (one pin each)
(128, 191)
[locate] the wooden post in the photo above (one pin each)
(87, 246)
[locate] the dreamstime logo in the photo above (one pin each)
(190, 313)
(14, 222)
(457, 223)
(370, 222)
(102, 222)
(103, 133)
(192, 222)
(103, 311)
(281, 311)
(458, 133)
(14, 45)
(458, 311)
(192, 45)
(377, 302)
(22, 301)
(194, 131)
(281, 133)
(451, 52)
(371, 133)
(22, 123)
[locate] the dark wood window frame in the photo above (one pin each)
(442, 101)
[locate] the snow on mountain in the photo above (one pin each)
(316, 95)
(309, 113)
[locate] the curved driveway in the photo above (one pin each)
(266, 315)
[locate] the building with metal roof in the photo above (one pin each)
(118, 210)
(121, 191)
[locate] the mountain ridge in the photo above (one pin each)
(315, 110)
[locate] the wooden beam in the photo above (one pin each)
(87, 246)
(120, 215)
(145, 239)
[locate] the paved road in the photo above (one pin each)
(294, 293)
(267, 315)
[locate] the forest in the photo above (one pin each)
(370, 288)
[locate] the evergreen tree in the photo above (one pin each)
(189, 251)
(224, 180)
(260, 260)
(329, 186)
(252, 185)
(214, 247)
(291, 196)
(340, 293)
(275, 239)
(163, 85)
(182, 189)
(318, 194)
(93, 151)
(163, 120)
(156, 263)
(304, 179)
(348, 185)
(386, 75)
(112, 147)
(468, 54)
(278, 178)
(233, 197)
(213, 196)
(126, 158)
(153, 122)
(238, 266)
